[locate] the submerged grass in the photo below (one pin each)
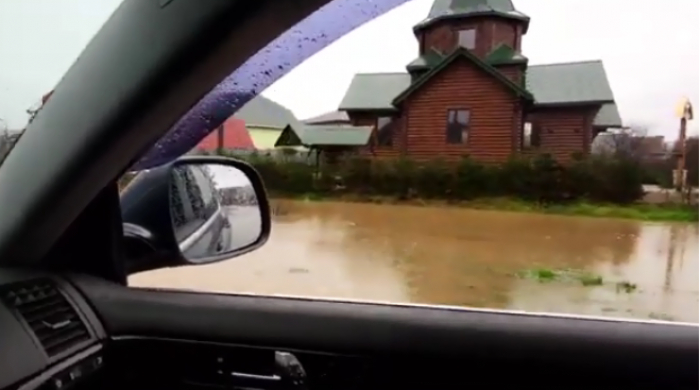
(636, 211)
(546, 275)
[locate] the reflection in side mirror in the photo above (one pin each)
(195, 210)
(214, 210)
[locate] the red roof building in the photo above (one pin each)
(233, 134)
(46, 97)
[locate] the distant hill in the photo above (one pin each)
(263, 112)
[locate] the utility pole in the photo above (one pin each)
(684, 111)
(680, 163)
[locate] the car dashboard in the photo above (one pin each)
(52, 338)
(77, 332)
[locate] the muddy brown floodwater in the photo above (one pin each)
(464, 257)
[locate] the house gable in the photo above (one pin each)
(288, 137)
(462, 53)
(493, 113)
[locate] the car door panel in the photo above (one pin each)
(425, 341)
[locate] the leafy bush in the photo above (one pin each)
(540, 179)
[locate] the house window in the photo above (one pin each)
(458, 126)
(384, 131)
(531, 135)
(467, 38)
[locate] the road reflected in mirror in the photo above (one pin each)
(214, 210)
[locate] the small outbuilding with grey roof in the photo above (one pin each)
(329, 141)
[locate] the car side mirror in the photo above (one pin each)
(195, 210)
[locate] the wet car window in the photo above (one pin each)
(493, 154)
(207, 189)
(40, 40)
(405, 165)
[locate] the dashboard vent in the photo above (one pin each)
(54, 321)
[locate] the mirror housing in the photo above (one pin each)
(151, 239)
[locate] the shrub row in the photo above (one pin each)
(539, 179)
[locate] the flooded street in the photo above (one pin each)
(464, 257)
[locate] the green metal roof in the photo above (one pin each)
(503, 55)
(374, 91)
(565, 83)
(572, 82)
(428, 60)
(325, 135)
(449, 9)
(608, 116)
(333, 116)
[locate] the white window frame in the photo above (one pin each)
(527, 135)
(467, 38)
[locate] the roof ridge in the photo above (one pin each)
(379, 73)
(567, 63)
(334, 126)
(324, 113)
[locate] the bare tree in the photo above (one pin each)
(7, 140)
(692, 160)
(690, 194)
(631, 143)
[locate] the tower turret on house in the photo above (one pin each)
(481, 26)
(490, 29)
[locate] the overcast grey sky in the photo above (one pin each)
(650, 50)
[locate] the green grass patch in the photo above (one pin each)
(636, 211)
(546, 275)
(584, 278)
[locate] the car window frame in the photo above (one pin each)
(210, 205)
(192, 222)
(199, 45)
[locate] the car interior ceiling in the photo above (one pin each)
(71, 259)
